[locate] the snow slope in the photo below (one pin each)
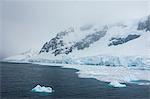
(120, 44)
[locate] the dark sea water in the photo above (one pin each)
(18, 79)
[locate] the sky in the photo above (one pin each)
(28, 24)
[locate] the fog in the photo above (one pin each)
(29, 24)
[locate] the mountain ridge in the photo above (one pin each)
(57, 45)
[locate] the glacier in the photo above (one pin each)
(136, 62)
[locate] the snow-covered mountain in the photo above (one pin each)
(126, 44)
(84, 37)
(120, 44)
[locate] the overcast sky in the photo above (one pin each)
(28, 24)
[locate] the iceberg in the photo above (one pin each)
(43, 89)
(116, 84)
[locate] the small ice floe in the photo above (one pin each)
(42, 89)
(116, 84)
(141, 82)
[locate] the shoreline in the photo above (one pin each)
(66, 83)
(82, 74)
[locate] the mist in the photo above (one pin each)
(29, 24)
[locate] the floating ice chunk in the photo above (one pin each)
(39, 88)
(143, 83)
(116, 84)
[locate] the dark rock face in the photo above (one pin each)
(57, 46)
(117, 41)
(144, 25)
(89, 39)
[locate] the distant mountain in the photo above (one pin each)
(22, 56)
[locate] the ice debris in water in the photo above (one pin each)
(116, 84)
(44, 89)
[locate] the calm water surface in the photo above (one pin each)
(17, 80)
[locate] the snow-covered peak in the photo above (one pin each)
(88, 38)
